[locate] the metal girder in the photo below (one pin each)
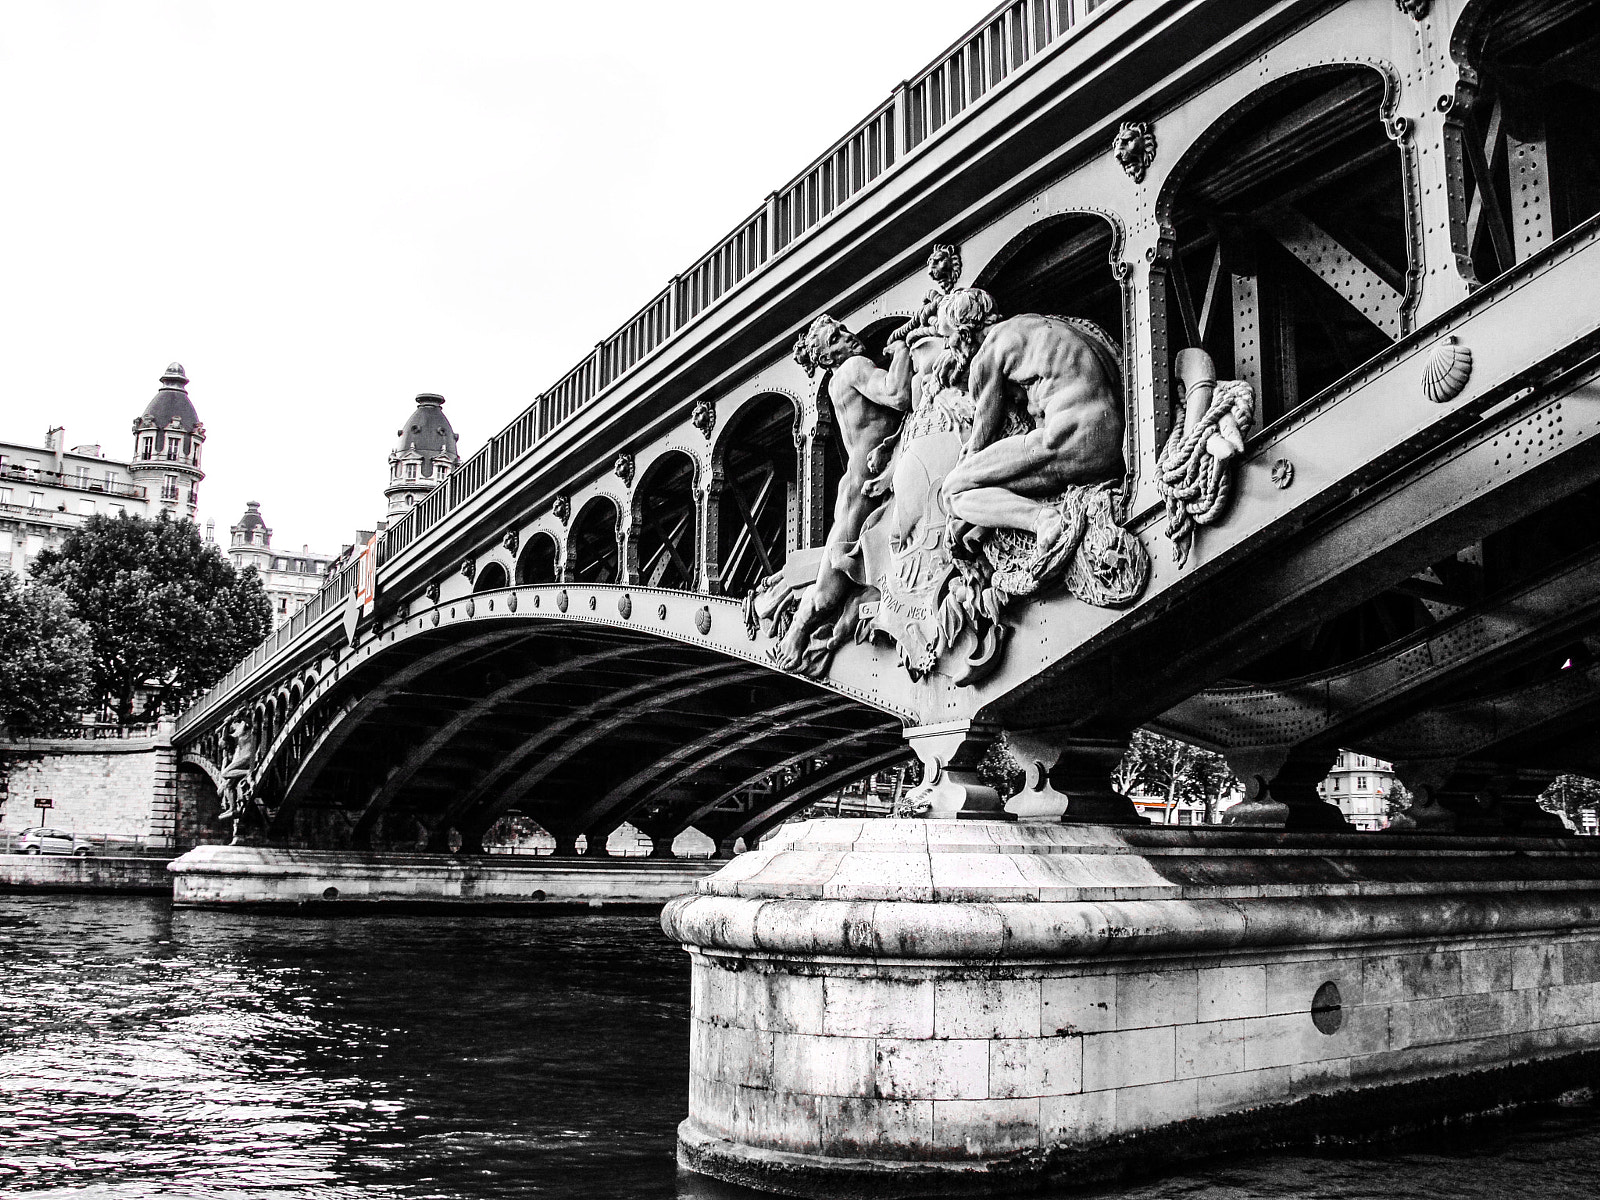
(421, 754)
(342, 726)
(1358, 284)
(1340, 706)
(701, 753)
(1471, 728)
(803, 791)
(566, 739)
(1385, 485)
(817, 751)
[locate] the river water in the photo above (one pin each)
(147, 1052)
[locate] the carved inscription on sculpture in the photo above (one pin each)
(1000, 482)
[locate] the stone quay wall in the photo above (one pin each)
(915, 1009)
(124, 789)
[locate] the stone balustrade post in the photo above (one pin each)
(951, 788)
(1280, 789)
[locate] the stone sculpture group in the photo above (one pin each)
(983, 465)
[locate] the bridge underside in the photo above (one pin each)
(579, 728)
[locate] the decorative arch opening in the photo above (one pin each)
(491, 577)
(1530, 141)
(1291, 249)
(592, 542)
(537, 562)
(1060, 267)
(758, 505)
(664, 513)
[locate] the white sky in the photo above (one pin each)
(322, 209)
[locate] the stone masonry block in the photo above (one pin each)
(773, 1000)
(1218, 1094)
(1580, 961)
(822, 1066)
(1486, 970)
(942, 1069)
(987, 1127)
(1049, 1066)
(1226, 993)
(1536, 966)
(1148, 998)
(872, 1128)
(787, 1121)
(1568, 1004)
(1078, 1004)
(1210, 1048)
(878, 1008)
(1449, 1019)
(1140, 1108)
(1080, 1119)
(1399, 978)
(1291, 985)
(986, 1008)
(1126, 1058)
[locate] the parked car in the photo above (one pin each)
(44, 840)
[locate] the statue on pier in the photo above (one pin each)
(1002, 482)
(236, 777)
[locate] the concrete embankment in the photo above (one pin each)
(264, 877)
(52, 873)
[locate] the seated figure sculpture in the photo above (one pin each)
(869, 403)
(1064, 375)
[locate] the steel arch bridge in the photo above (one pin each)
(1390, 237)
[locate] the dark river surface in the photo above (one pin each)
(147, 1052)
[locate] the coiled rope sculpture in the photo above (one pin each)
(1195, 471)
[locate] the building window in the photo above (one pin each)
(116, 510)
(1336, 783)
(35, 499)
(83, 477)
(410, 499)
(1361, 783)
(86, 508)
(5, 495)
(411, 470)
(111, 481)
(283, 604)
(144, 451)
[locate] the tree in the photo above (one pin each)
(1397, 799)
(165, 610)
(46, 660)
(1176, 771)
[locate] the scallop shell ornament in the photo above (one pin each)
(1447, 370)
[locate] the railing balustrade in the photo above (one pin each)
(1011, 38)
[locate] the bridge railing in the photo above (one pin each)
(1012, 38)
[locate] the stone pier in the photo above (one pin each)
(908, 1007)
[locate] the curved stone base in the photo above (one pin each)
(921, 1008)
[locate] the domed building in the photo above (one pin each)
(167, 438)
(423, 457)
(289, 577)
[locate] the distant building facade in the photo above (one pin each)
(424, 456)
(289, 577)
(48, 490)
(1359, 784)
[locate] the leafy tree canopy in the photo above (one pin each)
(166, 611)
(46, 660)
(1175, 771)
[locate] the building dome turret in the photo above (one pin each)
(167, 438)
(424, 455)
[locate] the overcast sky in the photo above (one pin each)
(322, 209)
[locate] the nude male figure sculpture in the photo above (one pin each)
(869, 403)
(1067, 381)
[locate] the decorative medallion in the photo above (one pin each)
(704, 417)
(472, 607)
(436, 616)
(511, 602)
(702, 620)
(512, 540)
(469, 568)
(432, 592)
(661, 612)
(536, 600)
(561, 599)
(1415, 9)
(593, 603)
(1135, 148)
(491, 603)
(452, 612)
(1446, 371)
(562, 507)
(1283, 472)
(624, 468)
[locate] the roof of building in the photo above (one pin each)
(428, 432)
(172, 401)
(252, 517)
